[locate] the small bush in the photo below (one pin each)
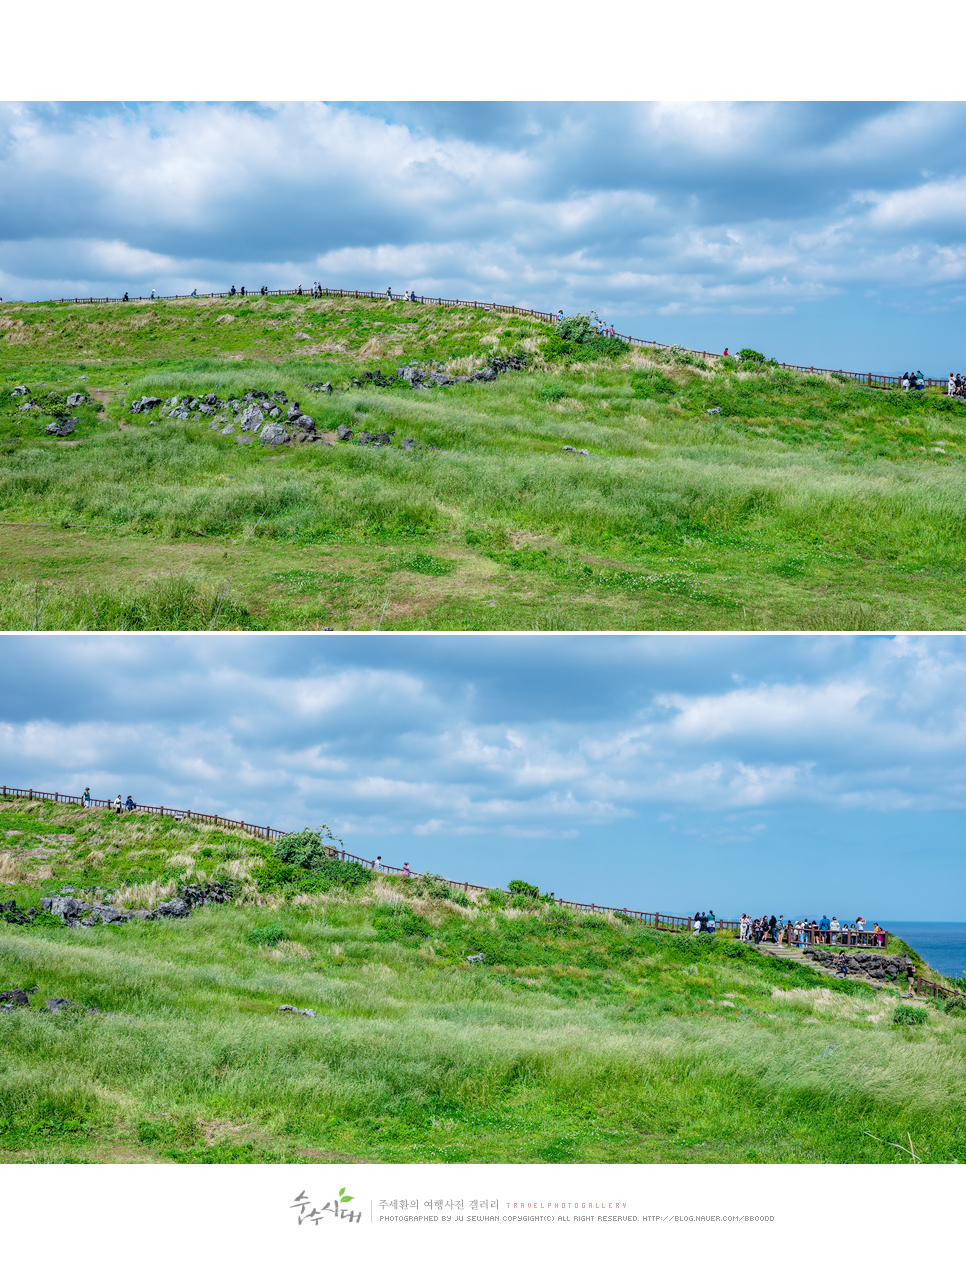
(519, 887)
(909, 1015)
(272, 934)
(955, 1005)
(496, 898)
(397, 923)
(750, 355)
(553, 392)
(308, 849)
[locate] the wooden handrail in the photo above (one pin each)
(660, 921)
(869, 378)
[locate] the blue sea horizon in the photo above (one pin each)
(942, 944)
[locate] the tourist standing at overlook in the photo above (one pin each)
(834, 928)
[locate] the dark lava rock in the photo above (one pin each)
(21, 390)
(409, 444)
(61, 427)
(146, 403)
(17, 996)
(252, 419)
(76, 399)
(56, 1004)
(294, 410)
(280, 397)
(344, 432)
(172, 908)
(256, 394)
(274, 434)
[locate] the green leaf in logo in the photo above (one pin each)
(346, 1199)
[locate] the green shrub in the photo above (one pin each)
(910, 1015)
(435, 887)
(496, 898)
(750, 355)
(553, 392)
(955, 1005)
(272, 934)
(518, 887)
(397, 923)
(308, 849)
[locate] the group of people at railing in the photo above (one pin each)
(829, 930)
(956, 386)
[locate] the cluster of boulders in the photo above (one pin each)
(293, 1009)
(12, 997)
(76, 912)
(60, 427)
(872, 965)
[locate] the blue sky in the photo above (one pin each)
(800, 774)
(821, 233)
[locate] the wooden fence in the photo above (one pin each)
(870, 378)
(659, 921)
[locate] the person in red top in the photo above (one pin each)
(725, 353)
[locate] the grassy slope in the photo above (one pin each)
(579, 1039)
(807, 503)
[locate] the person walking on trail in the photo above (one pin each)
(130, 804)
(726, 353)
(841, 967)
(743, 927)
(378, 863)
(86, 797)
(772, 926)
(117, 805)
(388, 293)
(125, 296)
(405, 872)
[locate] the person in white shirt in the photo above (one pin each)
(834, 927)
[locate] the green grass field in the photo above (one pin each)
(807, 503)
(579, 1038)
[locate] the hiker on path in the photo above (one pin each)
(388, 293)
(378, 863)
(405, 872)
(951, 385)
(117, 805)
(153, 296)
(125, 296)
(743, 927)
(86, 797)
(725, 353)
(711, 922)
(842, 969)
(130, 804)
(772, 927)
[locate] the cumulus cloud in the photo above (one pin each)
(635, 761)
(696, 218)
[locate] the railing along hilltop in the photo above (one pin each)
(659, 921)
(869, 378)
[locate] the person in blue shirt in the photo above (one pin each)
(711, 921)
(824, 923)
(130, 803)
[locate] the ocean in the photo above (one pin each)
(942, 944)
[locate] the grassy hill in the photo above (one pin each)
(805, 502)
(578, 1038)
